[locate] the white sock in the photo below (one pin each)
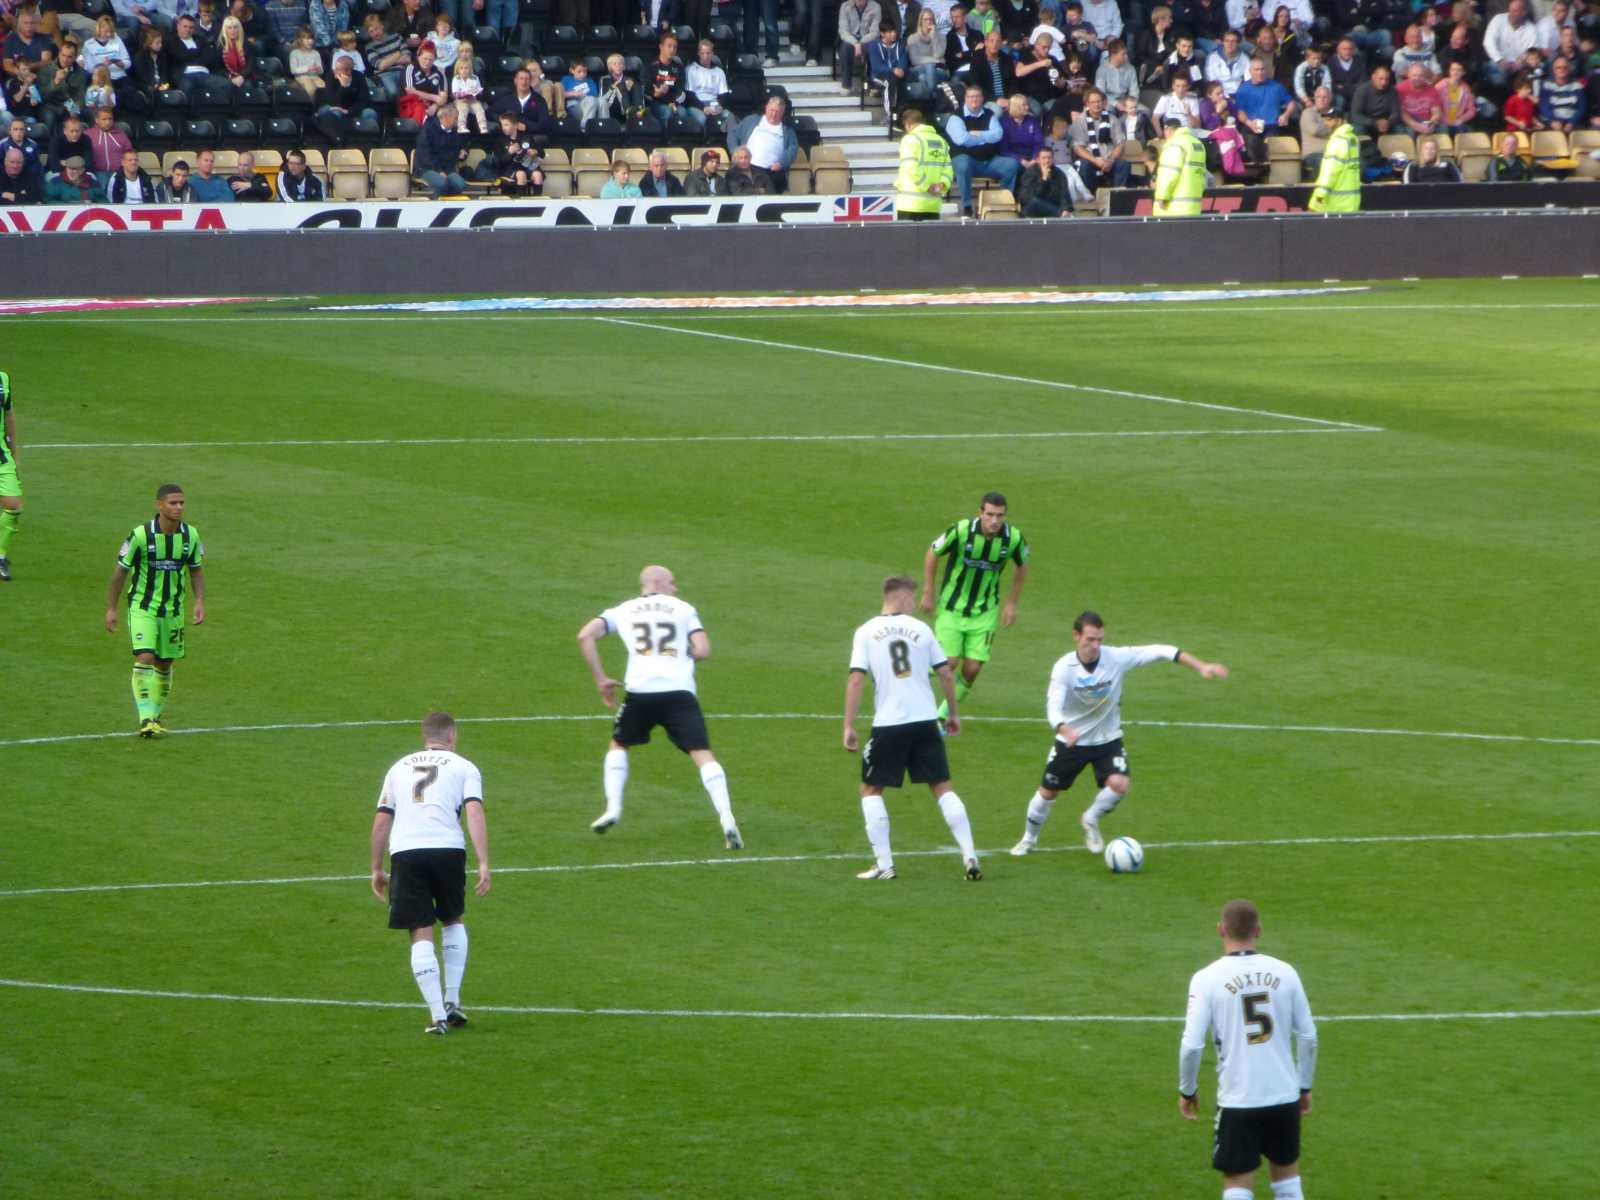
(1287, 1189)
(454, 940)
(425, 966)
(955, 816)
(616, 778)
(1038, 813)
(1237, 1194)
(878, 829)
(1105, 801)
(715, 780)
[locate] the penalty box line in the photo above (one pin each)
(973, 373)
(555, 1010)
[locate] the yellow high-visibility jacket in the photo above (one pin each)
(1338, 187)
(1180, 175)
(924, 163)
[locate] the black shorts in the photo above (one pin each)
(1067, 763)
(427, 886)
(1245, 1134)
(892, 750)
(676, 712)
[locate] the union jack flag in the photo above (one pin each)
(863, 208)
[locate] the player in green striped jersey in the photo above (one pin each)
(156, 554)
(976, 551)
(10, 485)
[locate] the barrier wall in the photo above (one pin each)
(770, 258)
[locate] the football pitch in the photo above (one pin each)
(1377, 507)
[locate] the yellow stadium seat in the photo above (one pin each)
(997, 204)
(391, 173)
(1390, 144)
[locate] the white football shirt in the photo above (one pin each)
(656, 631)
(426, 792)
(898, 651)
(1091, 700)
(1253, 1006)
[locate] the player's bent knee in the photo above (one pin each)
(14, 503)
(1119, 784)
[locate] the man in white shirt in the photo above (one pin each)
(1227, 64)
(1084, 706)
(1105, 17)
(899, 652)
(1252, 1005)
(1506, 39)
(419, 822)
(665, 639)
(1550, 27)
(1178, 103)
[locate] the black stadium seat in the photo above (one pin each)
(686, 37)
(554, 66)
(507, 65)
(269, 66)
(604, 132)
(253, 98)
(640, 39)
(602, 37)
(596, 65)
(173, 104)
(290, 100)
(200, 134)
(401, 131)
(364, 131)
(643, 131)
(240, 133)
(157, 136)
(214, 99)
(562, 38)
(281, 133)
(685, 132)
(567, 132)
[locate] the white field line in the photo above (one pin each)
(551, 1010)
(694, 438)
(731, 860)
(973, 373)
(533, 719)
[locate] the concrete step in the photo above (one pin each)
(872, 181)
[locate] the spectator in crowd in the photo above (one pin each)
(284, 19)
(1463, 48)
(1508, 165)
(805, 25)
(620, 186)
(974, 135)
(1279, 66)
(858, 27)
(1420, 109)
(1309, 75)
(984, 20)
(108, 141)
(1458, 107)
(100, 93)
(387, 57)
(63, 83)
(69, 141)
(1017, 18)
(26, 45)
(513, 161)
(1363, 21)
(925, 52)
(192, 63)
(663, 81)
(904, 14)
(245, 184)
(759, 14)
(579, 93)
(466, 89)
(425, 87)
(620, 94)
(73, 186)
(706, 90)
(106, 49)
(1316, 127)
(1135, 121)
(993, 71)
(1347, 71)
(1184, 60)
(888, 66)
(17, 138)
(18, 185)
(440, 151)
(342, 102)
(1229, 143)
(348, 46)
(1178, 103)
(1245, 14)
(1411, 52)
(961, 42)
(1227, 65)
(658, 182)
(1039, 76)
(528, 107)
(150, 64)
(1082, 35)
(772, 143)
(1287, 43)
(445, 43)
(1042, 190)
(1522, 110)
(1106, 17)
(412, 20)
(1374, 108)
(1558, 16)
(1509, 37)
(174, 187)
(305, 62)
(1429, 167)
(1207, 20)
(744, 179)
(296, 182)
(1116, 76)
(328, 19)
(502, 16)
(22, 93)
(1562, 103)
(234, 52)
(705, 181)
(1216, 110)
(130, 185)
(1154, 44)
(1097, 145)
(1020, 132)
(1051, 32)
(206, 186)
(1265, 108)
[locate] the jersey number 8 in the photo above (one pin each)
(643, 644)
(900, 658)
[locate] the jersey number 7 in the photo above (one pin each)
(425, 778)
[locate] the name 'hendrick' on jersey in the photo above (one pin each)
(656, 630)
(426, 792)
(898, 651)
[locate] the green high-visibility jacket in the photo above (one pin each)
(1338, 187)
(924, 166)
(1180, 175)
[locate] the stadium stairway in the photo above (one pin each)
(841, 120)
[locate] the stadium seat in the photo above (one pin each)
(830, 178)
(390, 168)
(507, 65)
(401, 131)
(1474, 167)
(149, 163)
(591, 167)
(157, 136)
(348, 172)
(1446, 143)
(282, 133)
(240, 132)
(554, 66)
(364, 131)
(642, 130)
(602, 38)
(1283, 161)
(172, 105)
(38, 130)
(677, 158)
(639, 39)
(1390, 144)
(171, 158)
(805, 128)
(1524, 146)
(1585, 142)
(997, 204)
(1550, 143)
(566, 132)
(213, 101)
(1473, 143)
(683, 131)
(316, 164)
(253, 99)
(800, 175)
(635, 156)
(200, 134)
(226, 162)
(270, 67)
(290, 100)
(563, 38)
(604, 132)
(595, 64)
(557, 173)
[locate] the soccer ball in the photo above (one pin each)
(1124, 856)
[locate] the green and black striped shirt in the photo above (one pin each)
(972, 574)
(156, 563)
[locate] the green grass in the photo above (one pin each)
(1435, 576)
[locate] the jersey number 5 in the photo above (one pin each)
(1254, 1016)
(662, 644)
(900, 658)
(425, 778)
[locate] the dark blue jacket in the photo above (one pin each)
(438, 148)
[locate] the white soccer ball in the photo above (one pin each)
(1124, 856)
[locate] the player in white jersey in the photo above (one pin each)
(899, 652)
(665, 639)
(419, 822)
(1251, 1004)
(1084, 706)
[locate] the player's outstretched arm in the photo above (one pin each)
(478, 831)
(1206, 670)
(587, 637)
(930, 565)
(113, 594)
(382, 822)
(197, 580)
(854, 685)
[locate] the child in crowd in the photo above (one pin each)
(23, 96)
(1216, 110)
(1135, 121)
(513, 161)
(445, 43)
(1522, 111)
(101, 93)
(305, 64)
(349, 49)
(582, 94)
(466, 89)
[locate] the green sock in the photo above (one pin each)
(963, 689)
(161, 690)
(9, 521)
(143, 689)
